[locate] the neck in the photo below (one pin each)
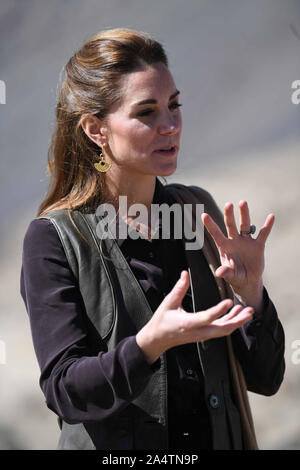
(137, 188)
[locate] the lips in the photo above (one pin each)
(168, 150)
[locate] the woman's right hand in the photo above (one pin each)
(171, 326)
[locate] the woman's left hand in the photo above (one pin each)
(242, 257)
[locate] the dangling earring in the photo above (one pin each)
(102, 165)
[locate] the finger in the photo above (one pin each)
(176, 295)
(211, 314)
(244, 216)
(243, 316)
(266, 229)
(226, 272)
(232, 324)
(228, 316)
(213, 229)
(217, 330)
(232, 314)
(229, 220)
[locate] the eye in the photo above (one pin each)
(146, 112)
(175, 105)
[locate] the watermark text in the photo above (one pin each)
(2, 352)
(2, 92)
(296, 354)
(177, 221)
(296, 94)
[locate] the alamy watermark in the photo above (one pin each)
(296, 354)
(2, 92)
(2, 352)
(178, 221)
(296, 94)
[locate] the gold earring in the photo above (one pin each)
(102, 165)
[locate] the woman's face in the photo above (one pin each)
(143, 130)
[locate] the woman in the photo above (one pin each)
(142, 343)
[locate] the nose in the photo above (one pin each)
(170, 125)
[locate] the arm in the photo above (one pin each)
(79, 383)
(83, 384)
(259, 346)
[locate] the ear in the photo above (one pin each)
(94, 129)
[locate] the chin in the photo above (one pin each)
(167, 171)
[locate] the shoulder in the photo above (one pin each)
(196, 195)
(47, 227)
(41, 237)
(43, 253)
(56, 237)
(193, 195)
(189, 191)
(38, 228)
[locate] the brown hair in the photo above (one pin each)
(91, 86)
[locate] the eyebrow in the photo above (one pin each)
(152, 101)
